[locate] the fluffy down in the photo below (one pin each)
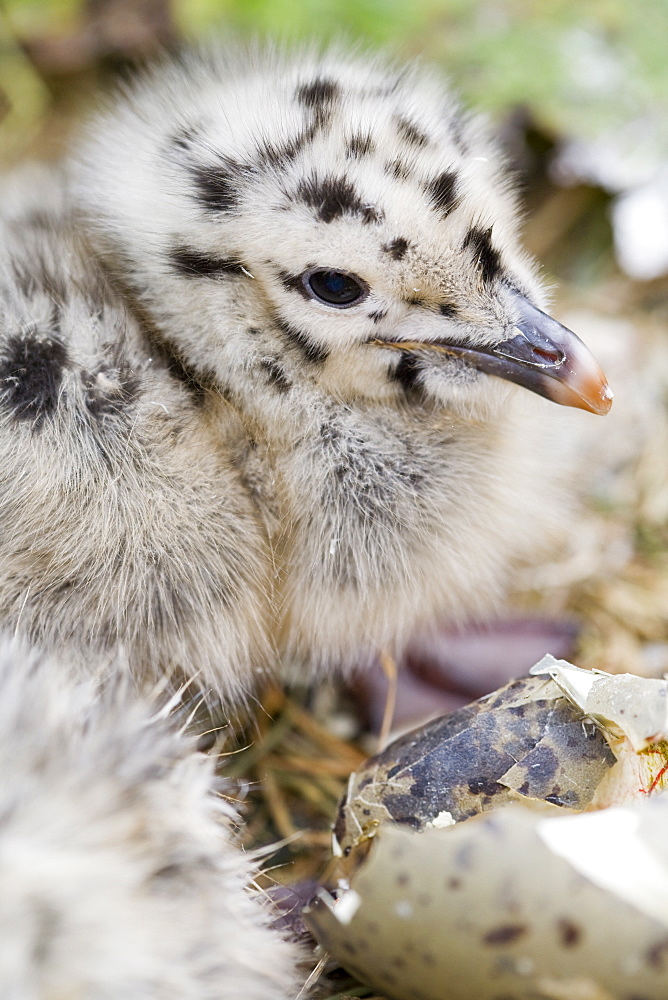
(118, 871)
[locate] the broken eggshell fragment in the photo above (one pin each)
(635, 706)
(526, 740)
(632, 711)
(510, 904)
(540, 903)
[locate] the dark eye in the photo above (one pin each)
(335, 288)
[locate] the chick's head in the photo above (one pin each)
(344, 210)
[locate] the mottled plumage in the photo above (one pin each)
(229, 468)
(118, 874)
(248, 345)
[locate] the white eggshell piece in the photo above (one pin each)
(636, 706)
(512, 905)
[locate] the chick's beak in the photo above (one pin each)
(549, 359)
(542, 355)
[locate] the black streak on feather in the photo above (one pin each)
(320, 93)
(398, 169)
(276, 375)
(279, 155)
(293, 283)
(193, 263)
(487, 258)
(442, 191)
(359, 146)
(406, 372)
(448, 310)
(196, 382)
(311, 352)
(184, 137)
(397, 248)
(216, 187)
(411, 133)
(332, 197)
(31, 372)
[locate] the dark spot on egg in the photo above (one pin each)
(480, 785)
(658, 953)
(570, 934)
(505, 934)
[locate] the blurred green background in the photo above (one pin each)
(578, 66)
(548, 71)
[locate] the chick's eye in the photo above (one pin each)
(335, 288)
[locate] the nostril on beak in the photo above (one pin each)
(536, 350)
(554, 357)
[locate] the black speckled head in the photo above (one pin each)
(352, 205)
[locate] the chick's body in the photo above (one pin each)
(210, 460)
(249, 414)
(118, 874)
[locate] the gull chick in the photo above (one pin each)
(271, 360)
(264, 354)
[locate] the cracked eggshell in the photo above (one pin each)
(632, 712)
(526, 740)
(510, 904)
(622, 704)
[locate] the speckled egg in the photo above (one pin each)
(468, 870)
(511, 905)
